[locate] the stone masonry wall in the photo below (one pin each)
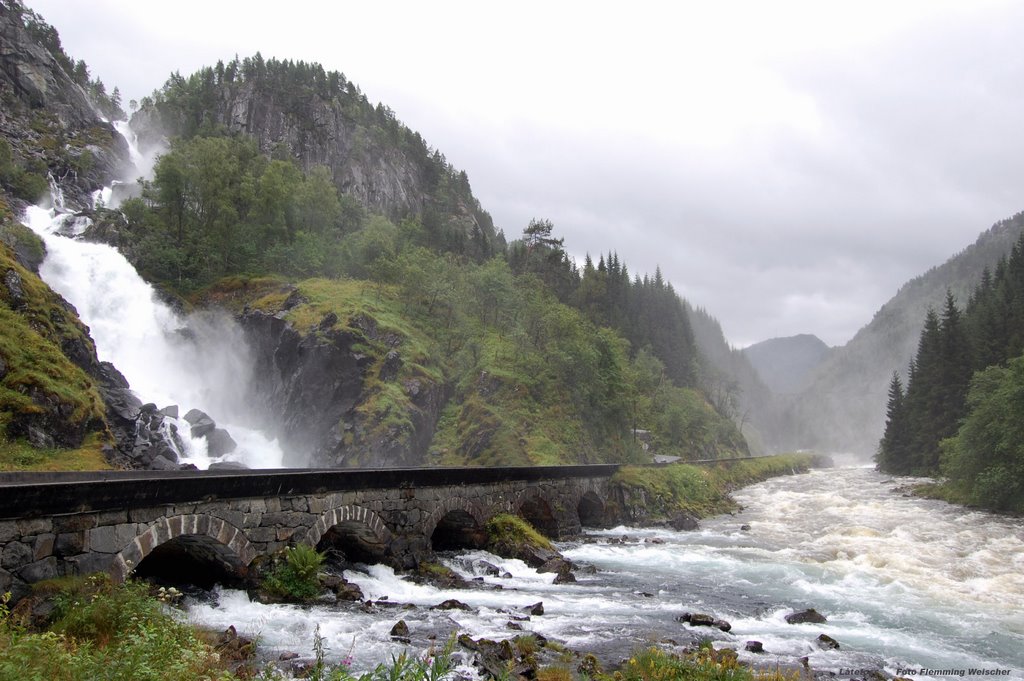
(240, 530)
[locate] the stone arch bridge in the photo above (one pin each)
(119, 522)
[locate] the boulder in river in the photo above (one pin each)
(536, 610)
(684, 522)
(827, 642)
(451, 604)
(697, 619)
(754, 647)
(201, 423)
(400, 630)
(219, 442)
(228, 466)
(808, 616)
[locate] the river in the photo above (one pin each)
(906, 584)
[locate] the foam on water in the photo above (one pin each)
(826, 550)
(200, 361)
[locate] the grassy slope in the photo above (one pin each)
(501, 415)
(700, 490)
(37, 378)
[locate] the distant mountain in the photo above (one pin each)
(785, 363)
(733, 384)
(842, 409)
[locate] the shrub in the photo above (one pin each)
(295, 577)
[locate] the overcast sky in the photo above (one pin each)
(787, 164)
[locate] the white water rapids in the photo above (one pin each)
(200, 361)
(906, 584)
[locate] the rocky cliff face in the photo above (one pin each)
(298, 111)
(48, 121)
(319, 387)
(377, 174)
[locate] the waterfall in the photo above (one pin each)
(199, 361)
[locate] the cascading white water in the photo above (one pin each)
(906, 583)
(197, 362)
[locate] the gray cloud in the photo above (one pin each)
(787, 172)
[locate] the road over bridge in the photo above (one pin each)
(120, 522)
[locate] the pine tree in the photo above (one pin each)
(892, 450)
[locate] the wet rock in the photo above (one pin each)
(491, 657)
(535, 556)
(170, 411)
(201, 423)
(229, 644)
(645, 594)
(347, 591)
(219, 442)
(561, 567)
(684, 522)
(161, 463)
(514, 626)
(702, 620)
(228, 466)
(754, 647)
(536, 610)
(451, 604)
(400, 630)
(826, 642)
(284, 657)
(744, 527)
(488, 568)
(808, 616)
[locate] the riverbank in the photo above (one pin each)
(672, 493)
(125, 623)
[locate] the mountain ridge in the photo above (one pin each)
(842, 407)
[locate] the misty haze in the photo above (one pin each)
(447, 341)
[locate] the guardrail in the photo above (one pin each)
(33, 494)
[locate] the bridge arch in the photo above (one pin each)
(456, 522)
(590, 508)
(358, 532)
(195, 535)
(535, 508)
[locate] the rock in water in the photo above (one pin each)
(827, 642)
(219, 442)
(228, 466)
(697, 619)
(684, 521)
(754, 647)
(201, 423)
(809, 616)
(400, 630)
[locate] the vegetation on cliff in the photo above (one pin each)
(489, 353)
(50, 114)
(960, 413)
(48, 402)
